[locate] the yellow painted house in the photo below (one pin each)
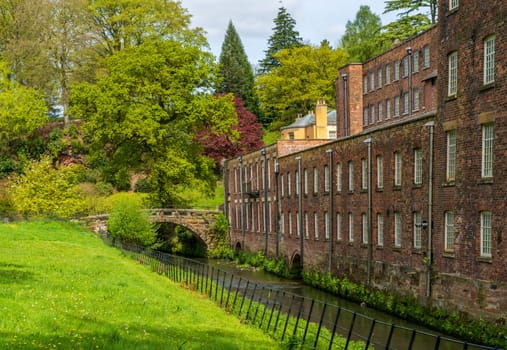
(318, 125)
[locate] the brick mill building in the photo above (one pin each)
(411, 196)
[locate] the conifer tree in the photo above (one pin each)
(284, 37)
(235, 70)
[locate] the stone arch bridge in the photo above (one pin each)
(199, 222)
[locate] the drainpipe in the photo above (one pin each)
(242, 199)
(277, 212)
(409, 53)
(300, 211)
(266, 207)
(345, 104)
(431, 126)
(369, 217)
(330, 209)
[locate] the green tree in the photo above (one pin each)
(408, 7)
(284, 37)
(236, 73)
(413, 18)
(143, 113)
(305, 75)
(362, 39)
(45, 191)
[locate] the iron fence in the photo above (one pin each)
(301, 322)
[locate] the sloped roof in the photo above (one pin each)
(309, 119)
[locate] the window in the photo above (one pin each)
(291, 135)
(396, 106)
(289, 185)
(365, 116)
(486, 238)
(305, 181)
(258, 217)
(365, 84)
(235, 180)
(426, 56)
(451, 156)
(397, 229)
(364, 219)
(307, 227)
(282, 185)
(380, 172)
(379, 111)
(417, 230)
(289, 215)
(298, 182)
(269, 174)
(364, 174)
(332, 134)
(449, 231)
(388, 108)
(247, 212)
(380, 230)
(405, 65)
(453, 74)
(315, 180)
(489, 59)
(405, 103)
(396, 70)
(487, 150)
(351, 176)
(326, 178)
(282, 224)
(415, 62)
(351, 227)
(397, 169)
(327, 226)
(388, 73)
(270, 221)
(453, 4)
(338, 177)
(415, 99)
(338, 226)
(379, 78)
(417, 166)
(372, 114)
(316, 225)
(298, 225)
(372, 81)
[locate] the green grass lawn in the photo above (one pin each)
(62, 288)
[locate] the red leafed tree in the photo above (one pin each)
(225, 147)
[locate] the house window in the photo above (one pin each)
(487, 150)
(372, 114)
(388, 73)
(364, 174)
(415, 62)
(453, 4)
(316, 225)
(379, 78)
(282, 185)
(372, 81)
(364, 219)
(338, 177)
(291, 135)
(327, 225)
(380, 172)
(453, 73)
(298, 225)
(365, 84)
(451, 156)
(235, 180)
(489, 59)
(289, 185)
(365, 116)
(449, 231)
(396, 103)
(380, 230)
(397, 229)
(270, 221)
(282, 224)
(326, 178)
(426, 56)
(307, 227)
(417, 166)
(247, 212)
(397, 169)
(404, 63)
(396, 66)
(269, 174)
(351, 176)
(315, 180)
(486, 238)
(298, 182)
(351, 227)
(305, 181)
(258, 217)
(379, 111)
(417, 230)
(290, 223)
(405, 103)
(388, 108)
(415, 103)
(338, 226)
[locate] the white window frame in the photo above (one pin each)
(396, 74)
(365, 116)
(307, 226)
(388, 109)
(415, 62)
(452, 84)
(380, 172)
(489, 60)
(379, 111)
(305, 181)
(449, 231)
(338, 227)
(426, 56)
(405, 65)
(298, 182)
(326, 178)
(417, 230)
(316, 225)
(417, 166)
(364, 219)
(338, 177)
(453, 4)
(379, 78)
(298, 225)
(365, 85)
(289, 217)
(487, 150)
(388, 74)
(351, 176)
(289, 185)
(397, 169)
(486, 234)
(397, 229)
(372, 113)
(372, 81)
(327, 225)
(364, 174)
(351, 227)
(396, 107)
(450, 173)
(406, 105)
(380, 230)
(315, 180)
(415, 99)
(282, 185)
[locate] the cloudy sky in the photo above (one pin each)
(315, 20)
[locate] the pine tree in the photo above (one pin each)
(284, 37)
(235, 70)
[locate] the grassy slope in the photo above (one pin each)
(61, 287)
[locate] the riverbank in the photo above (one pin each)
(63, 288)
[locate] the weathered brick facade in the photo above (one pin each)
(438, 191)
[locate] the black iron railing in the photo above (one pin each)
(303, 322)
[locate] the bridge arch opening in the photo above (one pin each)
(181, 240)
(237, 247)
(295, 267)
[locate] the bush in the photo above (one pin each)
(220, 228)
(130, 224)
